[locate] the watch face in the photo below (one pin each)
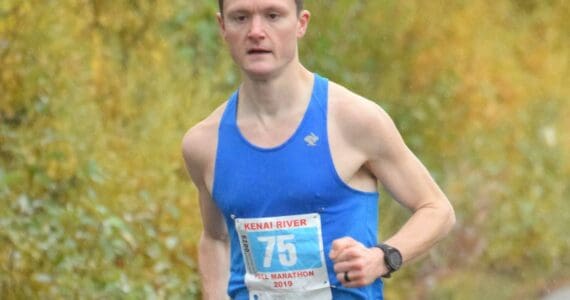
(395, 260)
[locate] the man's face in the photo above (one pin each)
(262, 34)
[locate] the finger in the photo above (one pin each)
(340, 277)
(352, 276)
(339, 245)
(349, 254)
(342, 266)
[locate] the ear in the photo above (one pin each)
(221, 24)
(303, 23)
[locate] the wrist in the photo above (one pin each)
(380, 264)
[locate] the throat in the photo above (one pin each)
(275, 98)
(269, 112)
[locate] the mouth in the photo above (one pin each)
(255, 51)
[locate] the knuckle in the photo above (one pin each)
(352, 252)
(358, 266)
(363, 263)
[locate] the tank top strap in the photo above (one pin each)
(230, 113)
(320, 92)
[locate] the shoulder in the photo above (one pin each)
(360, 121)
(200, 141)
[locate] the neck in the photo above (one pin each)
(278, 95)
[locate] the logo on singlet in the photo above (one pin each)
(311, 139)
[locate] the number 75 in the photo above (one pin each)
(285, 248)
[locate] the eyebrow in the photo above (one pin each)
(270, 7)
(238, 11)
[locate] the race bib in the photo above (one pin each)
(284, 257)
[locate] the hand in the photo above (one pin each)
(362, 265)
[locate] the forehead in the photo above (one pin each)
(233, 5)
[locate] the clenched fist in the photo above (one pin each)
(354, 264)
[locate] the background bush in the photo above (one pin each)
(96, 95)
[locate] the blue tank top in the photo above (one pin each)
(284, 206)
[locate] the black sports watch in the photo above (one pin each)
(392, 257)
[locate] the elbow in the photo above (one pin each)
(449, 218)
(212, 239)
(216, 237)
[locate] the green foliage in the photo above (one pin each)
(96, 95)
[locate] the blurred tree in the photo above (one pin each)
(95, 96)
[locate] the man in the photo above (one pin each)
(287, 172)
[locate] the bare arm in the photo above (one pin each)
(406, 178)
(213, 262)
(375, 140)
(213, 249)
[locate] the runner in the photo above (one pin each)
(287, 173)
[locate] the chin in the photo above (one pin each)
(260, 72)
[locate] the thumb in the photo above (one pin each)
(340, 244)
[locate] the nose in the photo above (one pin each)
(257, 29)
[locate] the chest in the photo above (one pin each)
(295, 177)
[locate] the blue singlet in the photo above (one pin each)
(284, 206)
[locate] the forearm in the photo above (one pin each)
(213, 261)
(425, 227)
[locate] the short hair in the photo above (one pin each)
(299, 4)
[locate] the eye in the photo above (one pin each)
(239, 18)
(273, 16)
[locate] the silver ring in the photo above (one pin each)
(346, 277)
